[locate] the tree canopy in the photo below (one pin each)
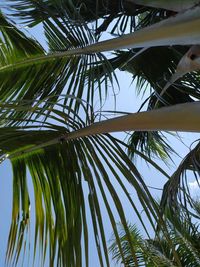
(52, 128)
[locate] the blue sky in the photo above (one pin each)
(5, 206)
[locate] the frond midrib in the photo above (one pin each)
(35, 60)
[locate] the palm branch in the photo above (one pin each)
(46, 75)
(65, 62)
(156, 251)
(116, 14)
(66, 177)
(35, 153)
(177, 191)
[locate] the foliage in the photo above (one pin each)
(48, 97)
(184, 235)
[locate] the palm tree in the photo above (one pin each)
(49, 126)
(156, 251)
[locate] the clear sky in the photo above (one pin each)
(5, 207)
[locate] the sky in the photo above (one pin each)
(5, 207)
(127, 100)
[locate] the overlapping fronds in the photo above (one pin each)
(34, 12)
(177, 191)
(185, 235)
(136, 243)
(152, 144)
(71, 171)
(67, 177)
(148, 252)
(118, 16)
(153, 77)
(59, 29)
(151, 69)
(158, 251)
(37, 75)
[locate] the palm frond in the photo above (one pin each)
(32, 12)
(147, 251)
(67, 177)
(175, 30)
(56, 78)
(153, 76)
(152, 144)
(177, 191)
(118, 16)
(37, 75)
(136, 239)
(184, 235)
(151, 70)
(168, 118)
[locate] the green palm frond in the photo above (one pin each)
(148, 252)
(151, 69)
(136, 242)
(36, 75)
(34, 12)
(184, 235)
(197, 207)
(153, 76)
(155, 35)
(67, 177)
(152, 144)
(167, 118)
(184, 232)
(177, 191)
(55, 79)
(117, 15)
